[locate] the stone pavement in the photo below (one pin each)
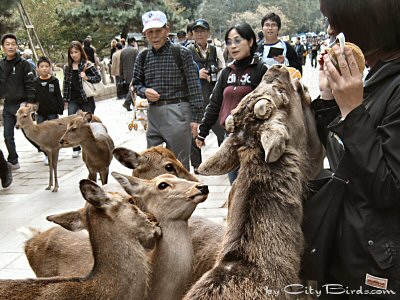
(27, 203)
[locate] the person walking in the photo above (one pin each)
(235, 81)
(116, 71)
(300, 50)
(127, 63)
(78, 69)
(27, 54)
(174, 93)
(275, 51)
(47, 94)
(359, 123)
(5, 172)
(210, 61)
(16, 87)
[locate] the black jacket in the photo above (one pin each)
(48, 96)
(368, 235)
(16, 81)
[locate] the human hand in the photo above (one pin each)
(83, 76)
(347, 88)
(65, 105)
(200, 143)
(203, 73)
(280, 59)
(195, 128)
(152, 95)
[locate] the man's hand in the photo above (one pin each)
(195, 128)
(203, 73)
(280, 59)
(199, 143)
(152, 95)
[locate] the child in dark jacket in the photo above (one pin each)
(47, 92)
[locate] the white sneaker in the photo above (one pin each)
(76, 153)
(46, 160)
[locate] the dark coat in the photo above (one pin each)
(48, 96)
(16, 81)
(368, 234)
(127, 62)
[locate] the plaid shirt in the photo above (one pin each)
(161, 73)
(91, 73)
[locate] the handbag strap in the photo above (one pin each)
(341, 173)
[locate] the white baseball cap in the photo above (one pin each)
(153, 19)
(27, 52)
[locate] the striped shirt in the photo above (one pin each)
(161, 73)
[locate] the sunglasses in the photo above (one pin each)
(235, 41)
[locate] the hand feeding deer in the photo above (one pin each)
(96, 144)
(46, 135)
(119, 233)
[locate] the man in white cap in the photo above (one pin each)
(168, 77)
(27, 54)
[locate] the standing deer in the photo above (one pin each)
(263, 243)
(96, 144)
(46, 135)
(119, 233)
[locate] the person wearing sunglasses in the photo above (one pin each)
(235, 81)
(274, 51)
(359, 123)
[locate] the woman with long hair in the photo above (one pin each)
(78, 69)
(235, 81)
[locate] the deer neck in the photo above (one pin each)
(32, 129)
(267, 200)
(173, 256)
(114, 262)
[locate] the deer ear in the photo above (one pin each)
(87, 117)
(93, 194)
(127, 157)
(129, 183)
(73, 221)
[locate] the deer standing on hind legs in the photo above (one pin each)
(119, 233)
(263, 243)
(96, 144)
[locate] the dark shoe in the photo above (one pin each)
(127, 106)
(15, 166)
(6, 182)
(196, 171)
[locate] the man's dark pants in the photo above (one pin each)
(9, 121)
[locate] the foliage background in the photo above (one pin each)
(58, 22)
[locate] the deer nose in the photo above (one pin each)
(62, 141)
(203, 188)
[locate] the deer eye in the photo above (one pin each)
(163, 185)
(169, 168)
(73, 129)
(131, 201)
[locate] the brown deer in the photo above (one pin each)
(96, 144)
(46, 135)
(172, 206)
(263, 243)
(59, 252)
(119, 233)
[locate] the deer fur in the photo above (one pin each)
(119, 233)
(59, 252)
(263, 242)
(96, 144)
(46, 135)
(172, 206)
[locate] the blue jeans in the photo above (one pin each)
(233, 174)
(9, 121)
(75, 105)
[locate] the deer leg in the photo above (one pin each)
(49, 155)
(104, 176)
(55, 162)
(92, 175)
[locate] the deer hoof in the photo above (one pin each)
(48, 187)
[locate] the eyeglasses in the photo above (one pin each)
(235, 41)
(270, 25)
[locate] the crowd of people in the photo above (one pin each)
(192, 89)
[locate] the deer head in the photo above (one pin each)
(165, 195)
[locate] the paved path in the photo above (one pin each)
(27, 203)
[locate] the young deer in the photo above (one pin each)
(59, 252)
(46, 135)
(96, 144)
(172, 206)
(119, 233)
